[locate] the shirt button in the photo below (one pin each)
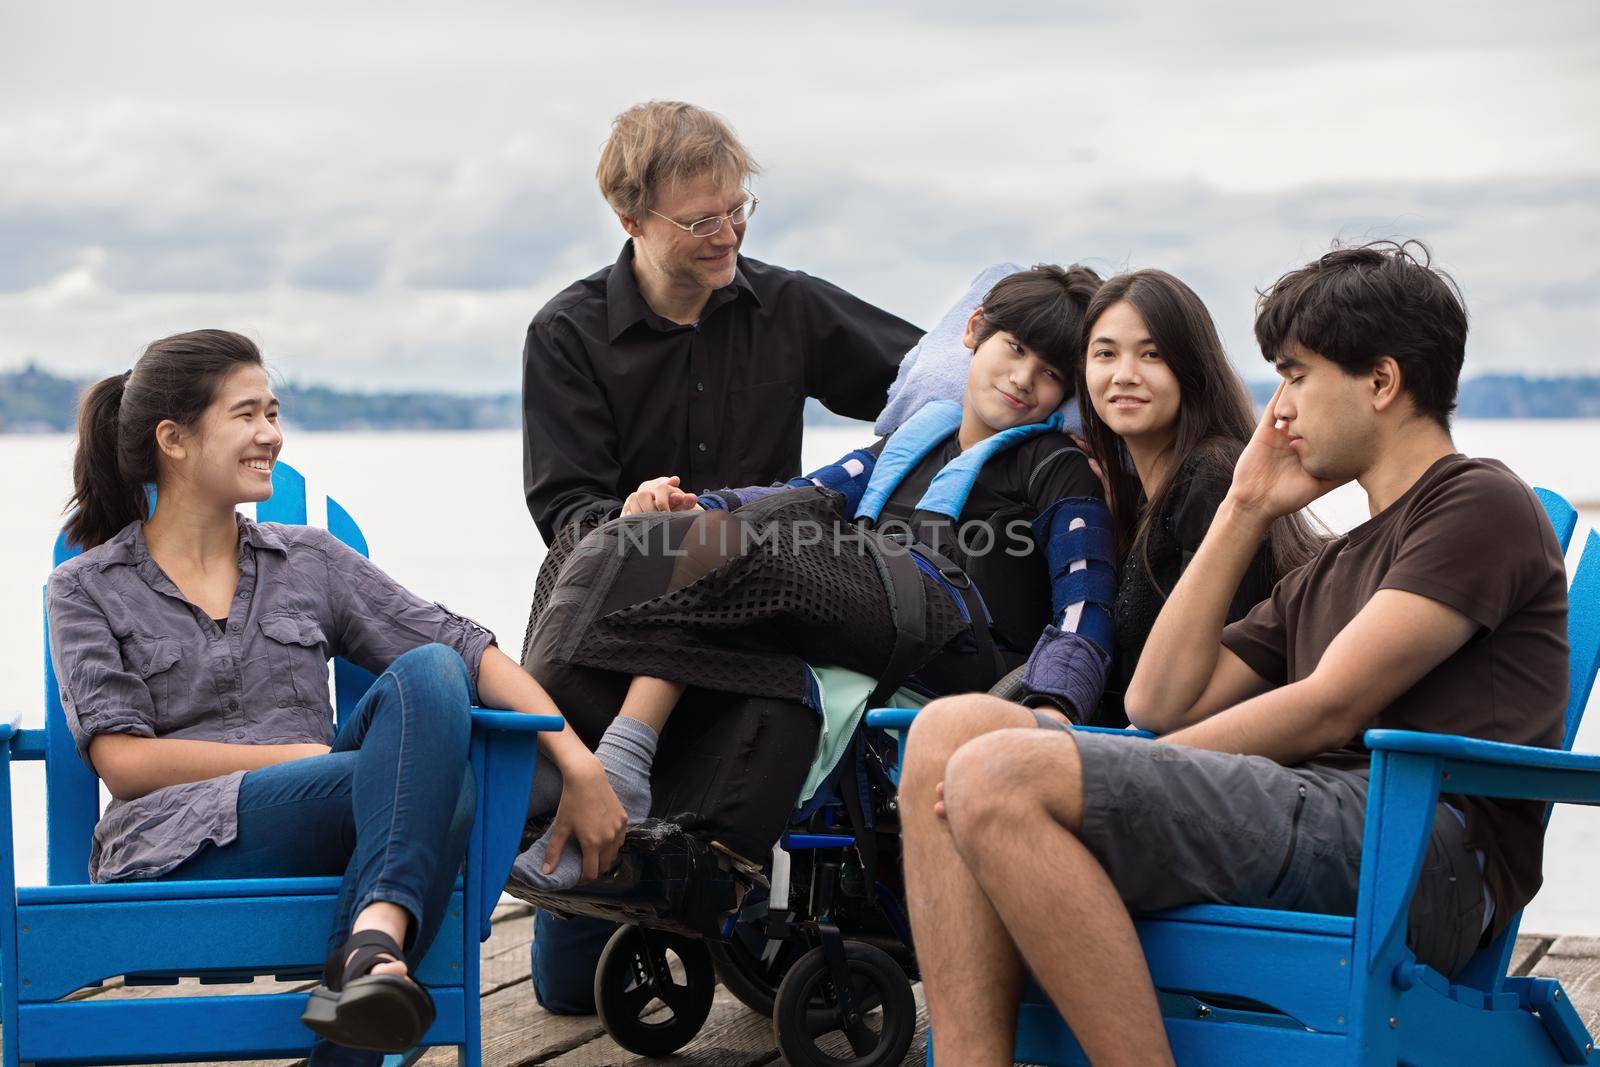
(699, 387)
(234, 627)
(702, 446)
(239, 734)
(233, 705)
(244, 594)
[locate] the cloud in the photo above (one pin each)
(385, 195)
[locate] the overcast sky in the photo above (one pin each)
(383, 195)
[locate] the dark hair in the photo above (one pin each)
(1042, 308)
(1214, 410)
(176, 378)
(1356, 305)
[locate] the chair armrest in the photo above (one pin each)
(1410, 769)
(9, 725)
(902, 718)
(504, 746)
(1493, 768)
(1120, 731)
(28, 744)
(1451, 746)
(892, 718)
(516, 721)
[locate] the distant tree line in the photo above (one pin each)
(33, 400)
(1510, 396)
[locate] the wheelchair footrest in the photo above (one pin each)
(666, 878)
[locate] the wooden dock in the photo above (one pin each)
(517, 1032)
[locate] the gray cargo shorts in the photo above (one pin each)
(1175, 825)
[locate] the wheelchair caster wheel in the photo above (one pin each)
(814, 1030)
(653, 990)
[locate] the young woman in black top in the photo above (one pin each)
(1167, 415)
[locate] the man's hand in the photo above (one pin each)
(1269, 480)
(590, 812)
(659, 494)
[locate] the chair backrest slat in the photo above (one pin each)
(1487, 968)
(1583, 635)
(72, 792)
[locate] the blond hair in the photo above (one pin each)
(662, 141)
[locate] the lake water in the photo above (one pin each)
(444, 514)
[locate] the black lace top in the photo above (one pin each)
(1156, 561)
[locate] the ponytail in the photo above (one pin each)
(176, 379)
(105, 500)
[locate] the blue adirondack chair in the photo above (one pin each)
(1256, 986)
(70, 934)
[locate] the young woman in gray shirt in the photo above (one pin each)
(192, 645)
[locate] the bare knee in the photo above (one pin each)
(1000, 783)
(950, 722)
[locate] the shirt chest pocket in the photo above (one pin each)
(297, 654)
(156, 660)
(766, 427)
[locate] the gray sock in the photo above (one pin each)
(546, 793)
(626, 751)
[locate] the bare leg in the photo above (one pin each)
(971, 973)
(1014, 800)
(651, 700)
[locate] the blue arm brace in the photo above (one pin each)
(847, 476)
(1068, 664)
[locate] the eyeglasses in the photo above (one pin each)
(708, 227)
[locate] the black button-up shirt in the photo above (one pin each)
(614, 394)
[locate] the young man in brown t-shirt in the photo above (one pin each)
(1446, 611)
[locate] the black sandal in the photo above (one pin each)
(358, 1009)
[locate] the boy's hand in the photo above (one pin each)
(659, 494)
(1268, 480)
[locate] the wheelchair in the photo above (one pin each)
(814, 936)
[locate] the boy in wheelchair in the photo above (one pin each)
(971, 544)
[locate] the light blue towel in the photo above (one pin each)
(936, 369)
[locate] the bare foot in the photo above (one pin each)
(389, 965)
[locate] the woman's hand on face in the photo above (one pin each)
(1269, 480)
(590, 813)
(659, 494)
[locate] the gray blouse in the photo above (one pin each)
(133, 656)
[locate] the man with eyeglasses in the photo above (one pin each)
(684, 358)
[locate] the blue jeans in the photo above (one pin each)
(389, 809)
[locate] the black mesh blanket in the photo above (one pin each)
(737, 601)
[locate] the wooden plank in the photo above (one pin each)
(733, 1036)
(1529, 950)
(516, 1030)
(504, 961)
(1575, 962)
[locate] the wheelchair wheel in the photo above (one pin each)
(752, 979)
(811, 1028)
(653, 990)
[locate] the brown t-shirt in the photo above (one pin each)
(1472, 536)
